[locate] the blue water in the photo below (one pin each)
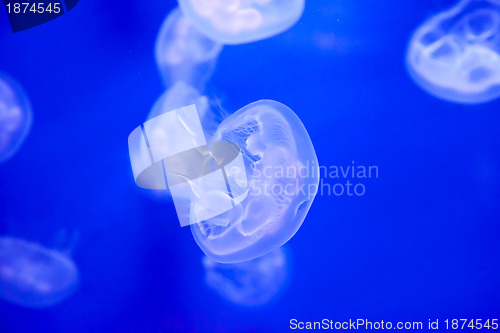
(422, 242)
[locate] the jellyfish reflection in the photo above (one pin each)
(250, 283)
(456, 54)
(183, 53)
(237, 22)
(283, 176)
(15, 117)
(34, 276)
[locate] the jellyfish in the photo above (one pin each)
(242, 21)
(250, 283)
(15, 116)
(455, 55)
(281, 173)
(34, 276)
(183, 53)
(246, 191)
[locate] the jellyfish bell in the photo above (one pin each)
(242, 21)
(251, 283)
(247, 191)
(283, 176)
(15, 116)
(455, 55)
(34, 276)
(183, 53)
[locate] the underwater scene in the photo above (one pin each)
(249, 166)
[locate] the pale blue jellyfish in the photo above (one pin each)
(183, 53)
(250, 283)
(15, 116)
(34, 276)
(281, 175)
(246, 189)
(242, 21)
(456, 54)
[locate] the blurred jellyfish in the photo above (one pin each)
(183, 53)
(251, 283)
(242, 21)
(34, 276)
(456, 54)
(15, 116)
(282, 175)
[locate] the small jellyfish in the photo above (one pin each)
(15, 116)
(34, 276)
(183, 53)
(250, 283)
(282, 175)
(242, 21)
(456, 54)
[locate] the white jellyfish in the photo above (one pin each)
(15, 116)
(242, 21)
(34, 276)
(282, 175)
(250, 283)
(247, 191)
(456, 54)
(183, 53)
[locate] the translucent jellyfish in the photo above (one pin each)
(456, 54)
(183, 53)
(34, 276)
(15, 117)
(242, 21)
(282, 174)
(250, 283)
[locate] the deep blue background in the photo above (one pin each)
(423, 242)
